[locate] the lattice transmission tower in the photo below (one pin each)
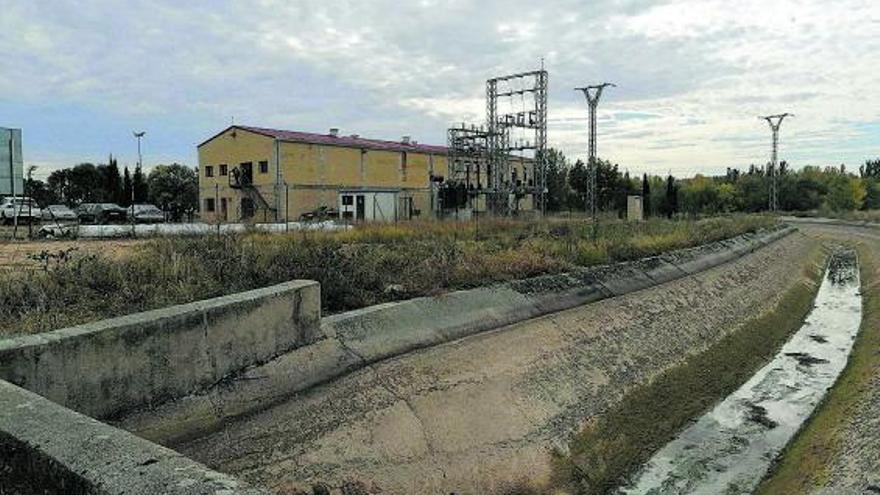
(531, 87)
(775, 122)
(593, 94)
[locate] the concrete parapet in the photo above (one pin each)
(114, 365)
(49, 449)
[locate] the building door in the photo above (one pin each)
(247, 174)
(360, 208)
(247, 208)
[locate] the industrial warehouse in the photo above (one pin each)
(266, 175)
(256, 174)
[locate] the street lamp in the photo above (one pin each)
(138, 136)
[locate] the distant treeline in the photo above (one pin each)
(174, 188)
(810, 188)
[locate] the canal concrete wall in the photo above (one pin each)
(114, 365)
(49, 449)
(358, 338)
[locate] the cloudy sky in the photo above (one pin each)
(692, 75)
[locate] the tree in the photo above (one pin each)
(175, 189)
(577, 179)
(698, 195)
(871, 169)
(139, 185)
(39, 191)
(670, 205)
(646, 195)
(126, 189)
(78, 184)
(113, 182)
(608, 185)
(845, 192)
(59, 185)
(557, 174)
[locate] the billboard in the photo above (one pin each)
(11, 162)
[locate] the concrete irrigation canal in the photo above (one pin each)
(464, 416)
(729, 449)
(256, 394)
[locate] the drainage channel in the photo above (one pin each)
(729, 449)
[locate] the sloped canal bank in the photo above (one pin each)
(729, 449)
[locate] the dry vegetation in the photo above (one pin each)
(356, 268)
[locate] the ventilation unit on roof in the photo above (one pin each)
(334, 131)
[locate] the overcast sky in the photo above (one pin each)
(692, 75)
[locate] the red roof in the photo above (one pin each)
(348, 141)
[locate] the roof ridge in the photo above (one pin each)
(341, 139)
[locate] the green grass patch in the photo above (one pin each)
(805, 462)
(649, 416)
(367, 265)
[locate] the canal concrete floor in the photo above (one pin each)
(467, 415)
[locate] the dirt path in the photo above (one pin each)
(463, 416)
(16, 254)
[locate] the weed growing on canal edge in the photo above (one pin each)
(614, 446)
(807, 460)
(367, 265)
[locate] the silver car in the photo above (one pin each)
(58, 213)
(24, 209)
(147, 213)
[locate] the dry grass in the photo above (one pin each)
(364, 266)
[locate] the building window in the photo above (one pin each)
(224, 170)
(264, 167)
(209, 171)
(209, 204)
(347, 200)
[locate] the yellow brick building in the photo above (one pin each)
(266, 175)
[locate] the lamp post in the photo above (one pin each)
(140, 167)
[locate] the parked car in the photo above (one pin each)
(24, 208)
(101, 213)
(147, 214)
(58, 213)
(320, 213)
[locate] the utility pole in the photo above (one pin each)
(775, 121)
(592, 94)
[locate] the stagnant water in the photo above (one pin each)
(729, 449)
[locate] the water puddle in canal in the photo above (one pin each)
(729, 449)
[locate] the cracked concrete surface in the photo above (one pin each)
(463, 416)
